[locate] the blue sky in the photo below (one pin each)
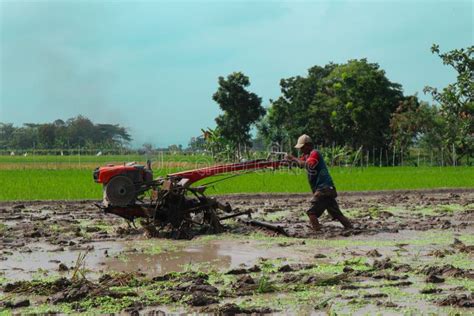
(153, 65)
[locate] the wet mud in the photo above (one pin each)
(409, 252)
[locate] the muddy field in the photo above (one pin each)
(409, 253)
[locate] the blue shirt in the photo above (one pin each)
(318, 173)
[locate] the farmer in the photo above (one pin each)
(324, 191)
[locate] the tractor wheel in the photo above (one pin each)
(120, 191)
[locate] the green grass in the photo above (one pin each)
(34, 184)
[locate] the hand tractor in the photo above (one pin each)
(130, 191)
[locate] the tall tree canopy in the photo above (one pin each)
(347, 104)
(241, 109)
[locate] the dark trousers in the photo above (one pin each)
(325, 199)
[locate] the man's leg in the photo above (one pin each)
(318, 206)
(335, 212)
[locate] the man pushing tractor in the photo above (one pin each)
(130, 192)
(322, 185)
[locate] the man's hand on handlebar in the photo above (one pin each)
(293, 161)
(290, 157)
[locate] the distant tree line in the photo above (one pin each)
(72, 133)
(351, 105)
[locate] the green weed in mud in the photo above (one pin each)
(3, 229)
(356, 263)
(416, 298)
(458, 260)
(326, 269)
(101, 225)
(151, 294)
(324, 303)
(45, 309)
(305, 300)
(394, 291)
(466, 283)
(278, 303)
(276, 216)
(56, 228)
(265, 285)
(134, 290)
(158, 246)
(434, 311)
(42, 278)
(217, 278)
(448, 208)
(441, 208)
(270, 265)
(106, 304)
(377, 211)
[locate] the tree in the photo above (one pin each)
(217, 145)
(47, 135)
(76, 132)
(197, 143)
(80, 129)
(456, 102)
(413, 121)
(175, 148)
(298, 110)
(147, 148)
(112, 135)
(6, 134)
(268, 131)
(241, 110)
(362, 100)
(348, 104)
(24, 138)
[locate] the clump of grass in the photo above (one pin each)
(3, 229)
(323, 304)
(3, 280)
(79, 269)
(449, 208)
(269, 265)
(265, 285)
(333, 280)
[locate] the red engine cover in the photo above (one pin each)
(104, 174)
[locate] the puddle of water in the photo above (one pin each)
(24, 265)
(220, 254)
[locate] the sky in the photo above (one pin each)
(153, 66)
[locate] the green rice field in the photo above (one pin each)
(77, 183)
